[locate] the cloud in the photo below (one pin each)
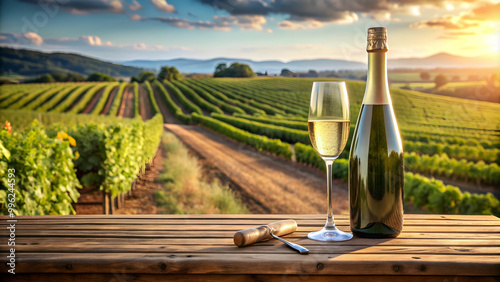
(188, 24)
(340, 11)
(139, 46)
(135, 6)
(446, 22)
(83, 43)
(487, 12)
(473, 22)
(292, 25)
(163, 6)
(28, 38)
(135, 17)
(224, 23)
(89, 40)
(81, 7)
(455, 34)
(244, 22)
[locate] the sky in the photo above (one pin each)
(285, 30)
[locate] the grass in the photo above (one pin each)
(432, 84)
(184, 189)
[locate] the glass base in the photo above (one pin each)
(329, 234)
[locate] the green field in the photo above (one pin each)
(423, 85)
(453, 139)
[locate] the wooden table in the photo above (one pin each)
(200, 247)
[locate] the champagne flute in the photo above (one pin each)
(329, 124)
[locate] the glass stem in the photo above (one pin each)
(329, 220)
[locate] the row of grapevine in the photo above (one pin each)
(470, 153)
(115, 106)
(215, 101)
(300, 125)
(438, 138)
(246, 104)
(170, 103)
(272, 99)
(58, 98)
(235, 102)
(264, 102)
(114, 150)
(31, 97)
(436, 197)
(271, 131)
(41, 99)
(197, 99)
(68, 101)
(78, 108)
(99, 107)
(44, 172)
(152, 100)
(270, 110)
(17, 97)
(442, 165)
(135, 86)
(184, 101)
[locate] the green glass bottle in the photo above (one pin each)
(376, 166)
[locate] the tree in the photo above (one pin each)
(74, 77)
(46, 78)
(287, 73)
(100, 77)
(59, 77)
(235, 70)
(425, 76)
(169, 73)
(220, 68)
(143, 76)
(440, 80)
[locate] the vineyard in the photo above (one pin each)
(117, 128)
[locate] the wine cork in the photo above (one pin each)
(257, 234)
(377, 39)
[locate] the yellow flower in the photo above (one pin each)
(72, 141)
(8, 127)
(63, 136)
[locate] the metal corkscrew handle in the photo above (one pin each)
(296, 247)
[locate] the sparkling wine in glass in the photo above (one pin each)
(329, 124)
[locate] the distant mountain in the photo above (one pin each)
(272, 67)
(30, 63)
(440, 60)
(444, 60)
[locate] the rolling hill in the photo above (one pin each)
(208, 66)
(440, 60)
(445, 60)
(31, 63)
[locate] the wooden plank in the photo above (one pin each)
(222, 222)
(259, 216)
(313, 264)
(256, 249)
(119, 276)
(88, 229)
(187, 225)
(75, 241)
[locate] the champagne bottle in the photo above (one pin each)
(376, 166)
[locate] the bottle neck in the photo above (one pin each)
(377, 89)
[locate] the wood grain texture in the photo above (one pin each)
(200, 247)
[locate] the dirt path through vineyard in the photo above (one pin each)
(126, 108)
(267, 184)
(144, 103)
